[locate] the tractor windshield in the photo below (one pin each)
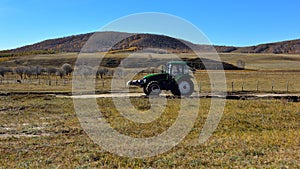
(178, 69)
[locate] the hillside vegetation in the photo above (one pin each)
(124, 41)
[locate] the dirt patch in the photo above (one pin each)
(10, 130)
(23, 135)
(235, 96)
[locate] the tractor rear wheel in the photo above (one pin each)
(153, 88)
(184, 87)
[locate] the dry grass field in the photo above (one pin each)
(252, 61)
(263, 71)
(242, 81)
(42, 131)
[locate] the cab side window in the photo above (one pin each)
(175, 70)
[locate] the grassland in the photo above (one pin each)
(40, 131)
(252, 61)
(263, 71)
(260, 61)
(43, 131)
(246, 81)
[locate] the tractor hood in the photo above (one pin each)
(148, 78)
(155, 75)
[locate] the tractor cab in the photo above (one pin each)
(177, 68)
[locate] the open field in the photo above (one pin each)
(43, 131)
(252, 61)
(246, 81)
(264, 72)
(40, 131)
(265, 61)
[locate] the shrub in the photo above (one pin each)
(4, 70)
(85, 71)
(20, 71)
(101, 72)
(51, 70)
(61, 73)
(67, 68)
(29, 71)
(37, 70)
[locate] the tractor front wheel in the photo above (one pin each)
(153, 88)
(145, 90)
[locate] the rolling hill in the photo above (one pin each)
(285, 47)
(143, 41)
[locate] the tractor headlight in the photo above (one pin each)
(144, 81)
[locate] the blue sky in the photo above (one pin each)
(224, 22)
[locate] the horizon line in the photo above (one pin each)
(217, 44)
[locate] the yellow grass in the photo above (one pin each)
(40, 131)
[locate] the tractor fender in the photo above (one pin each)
(183, 77)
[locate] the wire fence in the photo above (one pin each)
(236, 81)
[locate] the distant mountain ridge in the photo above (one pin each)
(141, 41)
(284, 47)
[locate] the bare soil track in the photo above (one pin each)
(293, 97)
(231, 96)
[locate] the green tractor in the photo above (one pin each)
(174, 77)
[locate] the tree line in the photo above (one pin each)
(36, 71)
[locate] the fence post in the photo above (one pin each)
(232, 86)
(272, 85)
(242, 86)
(200, 87)
(287, 86)
(257, 83)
